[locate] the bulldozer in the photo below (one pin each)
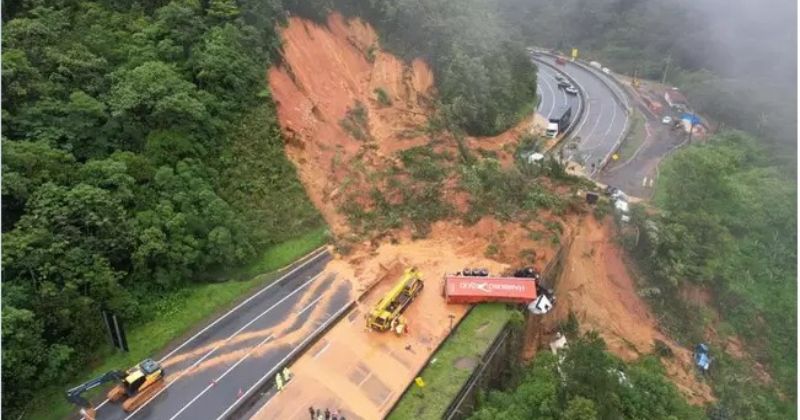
(135, 386)
(387, 313)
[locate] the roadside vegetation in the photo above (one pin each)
(142, 160)
(443, 376)
(724, 77)
(727, 225)
(726, 217)
(586, 382)
(180, 313)
(420, 189)
(486, 82)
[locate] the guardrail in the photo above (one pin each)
(454, 409)
(428, 360)
(581, 93)
(550, 276)
(620, 97)
(249, 398)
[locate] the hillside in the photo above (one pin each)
(359, 178)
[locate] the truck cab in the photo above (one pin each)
(552, 130)
(558, 122)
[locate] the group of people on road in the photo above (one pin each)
(325, 415)
(282, 378)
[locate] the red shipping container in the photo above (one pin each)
(462, 289)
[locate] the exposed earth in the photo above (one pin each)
(596, 285)
(327, 72)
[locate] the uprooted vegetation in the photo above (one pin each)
(422, 185)
(356, 122)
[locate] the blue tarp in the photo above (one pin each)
(693, 119)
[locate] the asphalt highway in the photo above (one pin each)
(552, 96)
(604, 118)
(211, 371)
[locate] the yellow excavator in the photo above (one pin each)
(135, 386)
(387, 313)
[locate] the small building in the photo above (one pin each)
(675, 99)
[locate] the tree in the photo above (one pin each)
(26, 166)
(579, 408)
(154, 96)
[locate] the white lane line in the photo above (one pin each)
(322, 350)
(310, 305)
(287, 357)
(211, 385)
(586, 116)
(553, 96)
(212, 351)
(611, 124)
(302, 265)
(365, 379)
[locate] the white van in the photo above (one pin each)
(595, 64)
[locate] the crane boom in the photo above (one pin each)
(386, 314)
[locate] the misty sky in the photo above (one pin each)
(754, 39)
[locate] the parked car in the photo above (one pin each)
(666, 120)
(571, 90)
(606, 70)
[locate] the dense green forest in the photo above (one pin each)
(584, 382)
(485, 80)
(141, 154)
(734, 60)
(728, 224)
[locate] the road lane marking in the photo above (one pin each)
(209, 386)
(184, 371)
(611, 124)
(553, 96)
(586, 117)
(269, 286)
(310, 305)
(322, 350)
(287, 357)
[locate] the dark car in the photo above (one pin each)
(564, 84)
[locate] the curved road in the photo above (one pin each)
(604, 118)
(552, 97)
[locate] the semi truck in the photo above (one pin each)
(559, 121)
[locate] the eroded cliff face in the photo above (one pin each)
(328, 74)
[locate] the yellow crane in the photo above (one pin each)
(387, 313)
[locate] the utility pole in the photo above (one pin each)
(666, 68)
